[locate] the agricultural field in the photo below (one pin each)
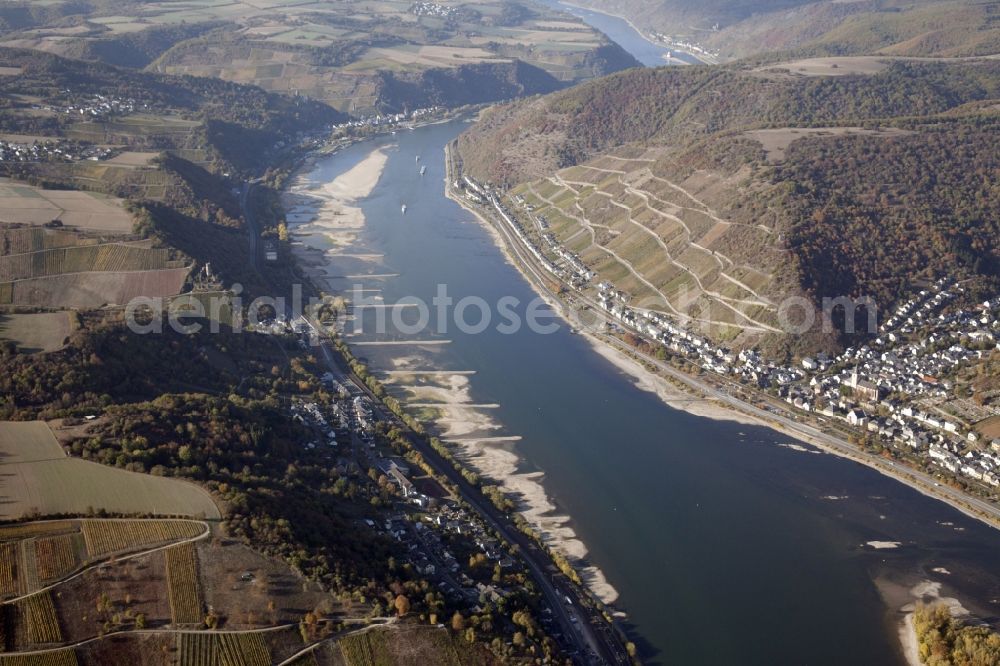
(182, 584)
(37, 331)
(41, 553)
(41, 528)
(8, 569)
(331, 51)
(34, 621)
(18, 240)
(58, 268)
(134, 127)
(32, 205)
(661, 241)
(131, 158)
(403, 645)
(57, 556)
(95, 289)
(365, 648)
(776, 141)
(39, 478)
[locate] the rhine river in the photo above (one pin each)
(726, 543)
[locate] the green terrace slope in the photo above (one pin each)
(715, 192)
(360, 58)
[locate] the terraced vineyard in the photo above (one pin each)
(106, 537)
(43, 528)
(222, 649)
(659, 239)
(105, 258)
(182, 584)
(93, 289)
(27, 567)
(33, 555)
(242, 650)
(33, 239)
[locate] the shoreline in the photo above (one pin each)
(681, 398)
(339, 219)
(556, 528)
(642, 35)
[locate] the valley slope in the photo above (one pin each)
(713, 193)
(361, 58)
(828, 27)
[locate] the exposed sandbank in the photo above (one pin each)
(456, 416)
(334, 215)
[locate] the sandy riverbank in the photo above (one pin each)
(333, 212)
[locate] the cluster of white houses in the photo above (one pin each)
(99, 106)
(875, 388)
(683, 45)
(387, 119)
(52, 151)
(657, 328)
(421, 8)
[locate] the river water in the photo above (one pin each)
(727, 543)
(724, 543)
